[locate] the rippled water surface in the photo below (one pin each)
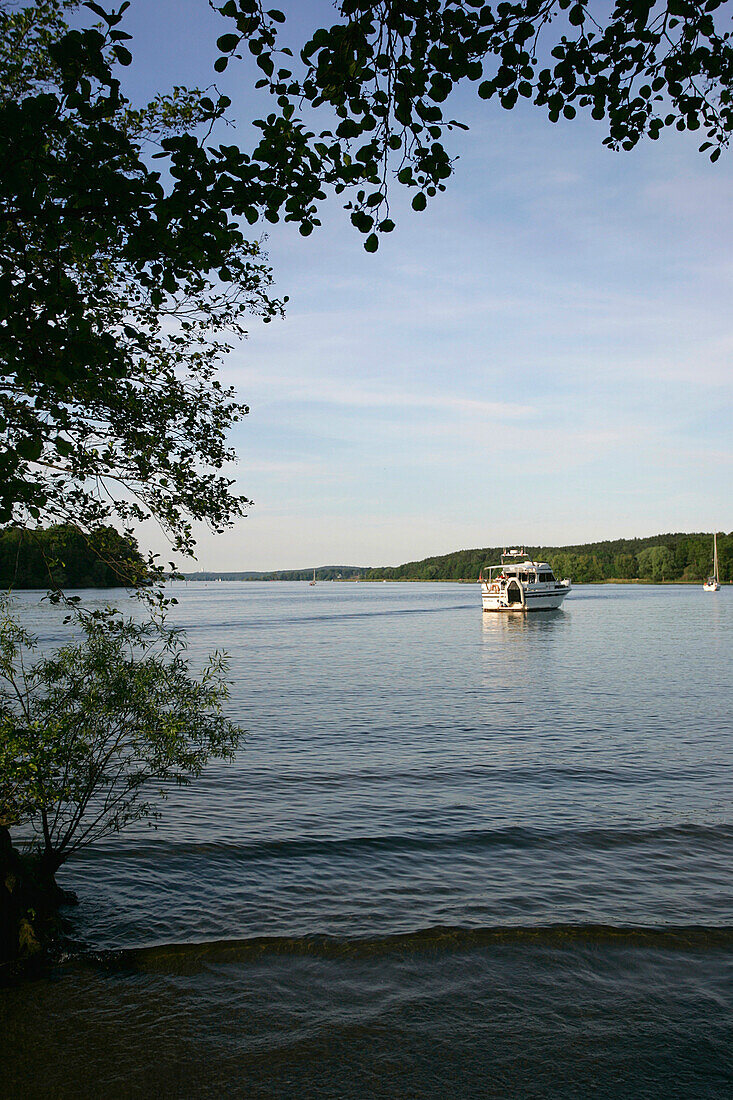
(458, 855)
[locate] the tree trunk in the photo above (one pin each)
(12, 898)
(45, 867)
(29, 902)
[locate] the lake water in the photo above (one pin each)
(459, 855)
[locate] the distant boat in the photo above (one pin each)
(712, 584)
(521, 585)
(311, 583)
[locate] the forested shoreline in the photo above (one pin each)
(64, 556)
(657, 559)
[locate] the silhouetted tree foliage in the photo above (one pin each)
(118, 273)
(122, 257)
(385, 71)
(64, 556)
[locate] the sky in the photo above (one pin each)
(542, 356)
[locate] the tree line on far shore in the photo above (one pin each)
(657, 559)
(62, 556)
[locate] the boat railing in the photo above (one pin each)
(495, 574)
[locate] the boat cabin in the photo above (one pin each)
(528, 572)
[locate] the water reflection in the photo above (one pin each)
(519, 652)
(506, 624)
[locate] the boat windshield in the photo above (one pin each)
(539, 573)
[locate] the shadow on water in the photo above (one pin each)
(190, 957)
(537, 1013)
(594, 839)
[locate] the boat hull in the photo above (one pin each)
(533, 601)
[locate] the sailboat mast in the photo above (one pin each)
(715, 555)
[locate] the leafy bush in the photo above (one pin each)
(94, 734)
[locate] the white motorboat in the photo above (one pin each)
(519, 584)
(712, 584)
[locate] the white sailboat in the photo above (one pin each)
(311, 583)
(712, 584)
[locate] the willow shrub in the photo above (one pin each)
(94, 735)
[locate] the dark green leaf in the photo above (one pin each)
(123, 55)
(227, 42)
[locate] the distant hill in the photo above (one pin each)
(323, 573)
(658, 558)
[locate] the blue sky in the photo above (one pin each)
(542, 356)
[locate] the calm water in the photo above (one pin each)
(459, 855)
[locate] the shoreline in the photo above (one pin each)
(420, 580)
(360, 580)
